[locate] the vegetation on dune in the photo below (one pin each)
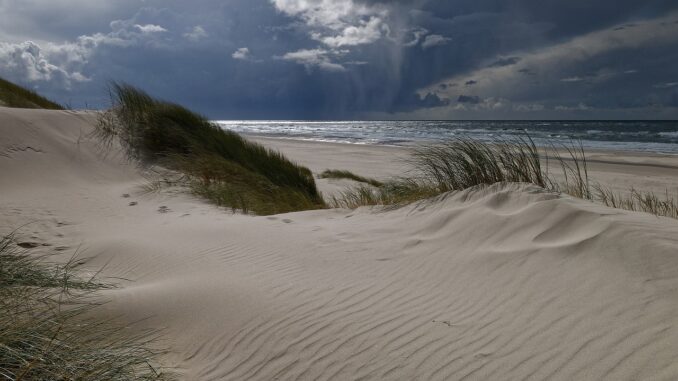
(220, 165)
(46, 332)
(12, 95)
(638, 201)
(464, 163)
(340, 174)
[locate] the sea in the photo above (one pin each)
(643, 136)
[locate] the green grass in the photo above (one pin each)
(221, 165)
(46, 328)
(393, 193)
(12, 95)
(340, 174)
(465, 163)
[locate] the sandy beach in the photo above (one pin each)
(506, 282)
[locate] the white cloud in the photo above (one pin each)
(312, 58)
(196, 34)
(366, 33)
(65, 62)
(338, 23)
(434, 40)
(150, 28)
(241, 54)
(29, 62)
(572, 79)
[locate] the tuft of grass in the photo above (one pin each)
(465, 163)
(46, 332)
(575, 172)
(341, 174)
(393, 193)
(12, 95)
(221, 165)
(638, 201)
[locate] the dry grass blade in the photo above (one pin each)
(341, 174)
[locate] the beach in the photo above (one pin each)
(503, 282)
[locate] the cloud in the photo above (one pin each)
(29, 62)
(666, 85)
(421, 54)
(64, 63)
(552, 65)
(416, 34)
(312, 58)
(505, 61)
(196, 34)
(434, 40)
(468, 99)
(338, 23)
(572, 79)
(150, 28)
(365, 33)
(241, 54)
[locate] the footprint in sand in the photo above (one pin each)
(287, 221)
(28, 245)
(133, 203)
(164, 209)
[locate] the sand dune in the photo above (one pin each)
(503, 283)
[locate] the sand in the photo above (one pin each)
(503, 283)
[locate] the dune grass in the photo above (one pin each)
(341, 174)
(638, 201)
(221, 165)
(393, 193)
(465, 163)
(12, 95)
(46, 332)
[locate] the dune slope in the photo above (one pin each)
(506, 282)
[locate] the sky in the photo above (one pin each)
(354, 59)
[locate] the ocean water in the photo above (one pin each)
(646, 136)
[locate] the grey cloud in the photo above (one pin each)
(505, 61)
(313, 58)
(434, 40)
(468, 99)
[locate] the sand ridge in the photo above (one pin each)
(503, 282)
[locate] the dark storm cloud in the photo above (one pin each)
(508, 61)
(468, 99)
(353, 58)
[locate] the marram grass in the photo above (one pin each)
(221, 165)
(12, 95)
(465, 163)
(47, 331)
